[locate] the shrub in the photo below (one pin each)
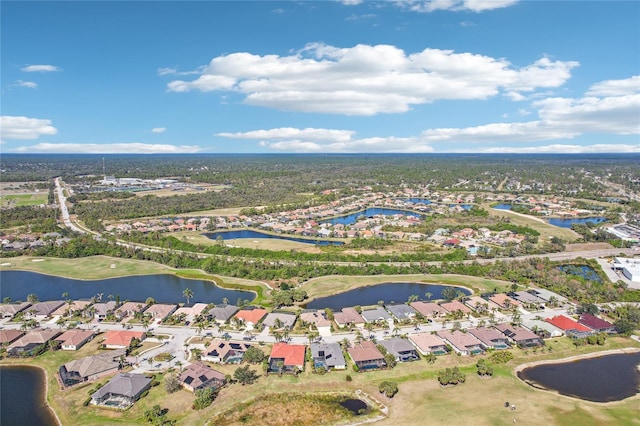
(204, 398)
(388, 388)
(349, 378)
(172, 383)
(501, 357)
(451, 376)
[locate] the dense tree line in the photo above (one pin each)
(33, 216)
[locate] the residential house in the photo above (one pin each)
(478, 304)
(520, 335)
(366, 356)
(428, 309)
(9, 336)
(221, 313)
(491, 338)
(121, 339)
(279, 320)
(548, 295)
(122, 391)
(428, 343)
(328, 356)
(377, 314)
(224, 352)
(318, 319)
(191, 312)
(198, 376)
(455, 306)
(402, 312)
(542, 328)
(348, 317)
(286, 358)
(43, 310)
(160, 311)
(9, 310)
(570, 327)
(25, 345)
(527, 298)
(597, 324)
(462, 343)
(401, 349)
(101, 310)
(91, 367)
(250, 317)
(74, 339)
(503, 301)
(71, 308)
(129, 309)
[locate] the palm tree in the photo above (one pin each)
(32, 298)
(225, 301)
(428, 295)
(187, 294)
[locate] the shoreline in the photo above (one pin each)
(45, 397)
(521, 367)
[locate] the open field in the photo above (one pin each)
(274, 244)
(183, 191)
(546, 231)
(325, 286)
(18, 200)
(421, 400)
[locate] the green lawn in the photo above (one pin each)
(17, 200)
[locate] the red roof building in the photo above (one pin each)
(121, 339)
(569, 326)
(291, 355)
(250, 316)
(597, 324)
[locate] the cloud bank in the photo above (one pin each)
(113, 148)
(40, 68)
(24, 128)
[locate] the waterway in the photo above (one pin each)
(387, 292)
(164, 288)
(566, 223)
(606, 378)
(248, 233)
(502, 206)
(23, 397)
(350, 219)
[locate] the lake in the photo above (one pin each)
(502, 207)
(164, 288)
(418, 200)
(606, 378)
(248, 233)
(584, 271)
(388, 292)
(23, 401)
(566, 223)
(350, 219)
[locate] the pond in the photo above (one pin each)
(388, 292)
(356, 406)
(606, 378)
(248, 233)
(502, 206)
(583, 271)
(463, 206)
(350, 219)
(566, 223)
(163, 288)
(23, 401)
(418, 200)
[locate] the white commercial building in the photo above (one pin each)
(629, 267)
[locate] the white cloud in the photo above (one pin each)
(112, 148)
(174, 71)
(351, 2)
(426, 6)
(627, 86)
(158, 130)
(293, 133)
(368, 80)
(27, 84)
(24, 128)
(40, 68)
(560, 149)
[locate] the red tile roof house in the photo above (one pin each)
(115, 339)
(366, 356)
(129, 309)
(428, 310)
(491, 338)
(250, 317)
(27, 344)
(427, 343)
(503, 301)
(291, 356)
(570, 327)
(348, 317)
(462, 343)
(160, 311)
(597, 324)
(454, 306)
(200, 376)
(224, 352)
(9, 336)
(521, 336)
(8, 310)
(72, 340)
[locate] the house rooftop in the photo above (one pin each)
(74, 336)
(291, 354)
(594, 322)
(129, 385)
(121, 337)
(348, 315)
(365, 351)
(455, 305)
(198, 374)
(428, 309)
(251, 315)
(376, 314)
(566, 323)
(8, 336)
(396, 346)
(401, 311)
(426, 341)
(96, 364)
(286, 319)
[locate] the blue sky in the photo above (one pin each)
(322, 76)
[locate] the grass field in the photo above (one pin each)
(253, 243)
(18, 200)
(328, 285)
(546, 231)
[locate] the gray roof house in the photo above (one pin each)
(8, 310)
(121, 391)
(401, 312)
(199, 376)
(520, 335)
(222, 313)
(401, 349)
(42, 310)
(348, 317)
(376, 314)
(286, 320)
(90, 367)
(491, 338)
(101, 310)
(328, 355)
